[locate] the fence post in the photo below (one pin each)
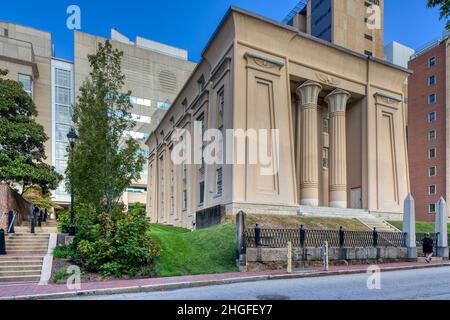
(302, 236)
(441, 229)
(325, 256)
(289, 257)
(341, 237)
(2, 242)
(375, 238)
(409, 227)
(240, 239)
(257, 236)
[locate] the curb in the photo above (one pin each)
(204, 283)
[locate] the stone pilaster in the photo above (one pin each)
(308, 93)
(337, 101)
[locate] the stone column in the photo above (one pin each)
(409, 227)
(308, 93)
(441, 229)
(337, 102)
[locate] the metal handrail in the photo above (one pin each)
(12, 222)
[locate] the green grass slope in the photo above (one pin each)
(206, 251)
(421, 227)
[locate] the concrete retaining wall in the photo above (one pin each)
(269, 258)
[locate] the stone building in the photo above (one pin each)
(339, 115)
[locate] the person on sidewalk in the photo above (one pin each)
(427, 243)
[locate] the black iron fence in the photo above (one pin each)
(302, 238)
(434, 236)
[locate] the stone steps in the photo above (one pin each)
(20, 269)
(379, 224)
(332, 212)
(19, 278)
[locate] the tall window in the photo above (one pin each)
(27, 83)
(432, 117)
(432, 153)
(63, 116)
(432, 98)
(431, 135)
(432, 171)
(432, 190)
(326, 125)
(325, 158)
(161, 185)
(185, 197)
(201, 119)
(432, 80)
(432, 62)
(432, 208)
(219, 181)
(202, 192)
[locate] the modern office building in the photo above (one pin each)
(398, 54)
(354, 24)
(154, 72)
(428, 128)
(339, 138)
(27, 54)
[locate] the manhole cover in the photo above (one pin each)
(272, 297)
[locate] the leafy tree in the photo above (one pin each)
(35, 195)
(22, 151)
(444, 7)
(105, 160)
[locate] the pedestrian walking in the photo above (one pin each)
(427, 243)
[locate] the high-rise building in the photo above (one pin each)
(27, 55)
(428, 125)
(154, 72)
(354, 24)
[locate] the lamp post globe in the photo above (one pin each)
(72, 137)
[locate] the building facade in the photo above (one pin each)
(339, 116)
(354, 24)
(154, 72)
(27, 55)
(428, 127)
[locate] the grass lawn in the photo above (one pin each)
(311, 223)
(421, 227)
(205, 251)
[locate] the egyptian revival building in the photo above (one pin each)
(340, 117)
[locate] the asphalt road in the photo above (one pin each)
(421, 284)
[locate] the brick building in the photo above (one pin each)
(427, 127)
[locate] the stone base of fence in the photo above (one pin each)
(276, 258)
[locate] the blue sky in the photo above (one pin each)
(189, 24)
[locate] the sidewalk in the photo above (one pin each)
(53, 291)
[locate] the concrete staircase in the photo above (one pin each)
(20, 268)
(369, 220)
(25, 253)
(381, 225)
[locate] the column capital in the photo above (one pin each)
(337, 100)
(308, 92)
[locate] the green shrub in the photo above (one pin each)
(63, 220)
(63, 252)
(114, 244)
(61, 274)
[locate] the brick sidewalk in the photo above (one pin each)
(28, 290)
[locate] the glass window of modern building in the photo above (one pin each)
(27, 83)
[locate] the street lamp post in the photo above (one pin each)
(72, 137)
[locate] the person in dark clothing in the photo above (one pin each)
(427, 243)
